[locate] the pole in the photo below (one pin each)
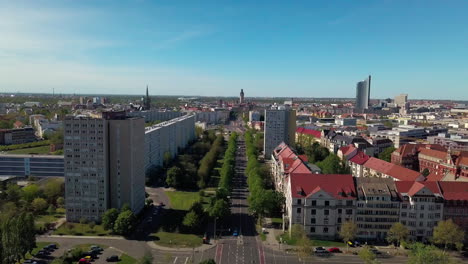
(214, 235)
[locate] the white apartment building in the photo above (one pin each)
(103, 164)
(170, 136)
(421, 208)
(320, 203)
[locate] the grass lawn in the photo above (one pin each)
(182, 200)
(177, 240)
(77, 229)
(35, 150)
(315, 242)
(47, 218)
(126, 259)
(276, 220)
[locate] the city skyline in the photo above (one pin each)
(306, 49)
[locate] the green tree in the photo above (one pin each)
(109, 217)
(167, 158)
(13, 192)
(30, 192)
(91, 225)
(304, 247)
(39, 205)
(386, 154)
(60, 202)
(331, 165)
(220, 209)
(51, 210)
(124, 223)
(368, 256)
(397, 233)
(53, 189)
(348, 232)
(175, 177)
(427, 254)
(448, 233)
(426, 172)
(191, 220)
(125, 207)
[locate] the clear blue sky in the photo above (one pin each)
(268, 48)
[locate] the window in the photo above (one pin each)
(326, 212)
(299, 201)
(325, 229)
(403, 214)
(312, 229)
(314, 202)
(421, 215)
(349, 211)
(422, 206)
(339, 220)
(327, 203)
(349, 203)
(298, 210)
(312, 221)
(339, 211)
(313, 212)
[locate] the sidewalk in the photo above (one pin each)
(203, 247)
(86, 237)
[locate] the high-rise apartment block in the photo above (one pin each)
(280, 126)
(401, 100)
(363, 95)
(104, 164)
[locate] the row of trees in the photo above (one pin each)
(121, 223)
(262, 200)
(209, 161)
(17, 236)
(229, 162)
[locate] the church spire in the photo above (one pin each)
(147, 100)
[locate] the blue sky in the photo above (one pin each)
(268, 48)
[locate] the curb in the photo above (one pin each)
(153, 245)
(85, 237)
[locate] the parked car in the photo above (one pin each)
(112, 258)
(321, 250)
(334, 250)
(90, 254)
(52, 246)
(235, 233)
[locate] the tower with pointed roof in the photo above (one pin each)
(147, 100)
(241, 97)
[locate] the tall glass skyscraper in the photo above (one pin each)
(363, 95)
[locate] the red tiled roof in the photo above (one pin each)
(454, 190)
(304, 158)
(412, 187)
(434, 177)
(340, 186)
(360, 158)
(392, 170)
(462, 158)
(312, 132)
(346, 150)
(433, 153)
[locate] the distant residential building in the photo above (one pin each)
(17, 136)
(378, 207)
(211, 117)
(32, 104)
(31, 165)
(363, 95)
(454, 143)
(455, 202)
(257, 125)
(104, 164)
(374, 167)
(421, 208)
(445, 165)
(401, 100)
(346, 121)
(407, 155)
(45, 127)
(285, 162)
(405, 134)
(167, 137)
(254, 116)
(280, 126)
(320, 203)
(306, 137)
(155, 115)
(380, 144)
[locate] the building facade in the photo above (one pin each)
(280, 126)
(378, 207)
(104, 165)
(17, 136)
(167, 137)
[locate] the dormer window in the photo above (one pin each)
(299, 201)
